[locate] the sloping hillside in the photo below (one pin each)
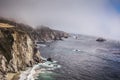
(41, 33)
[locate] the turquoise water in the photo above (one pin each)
(46, 70)
(46, 76)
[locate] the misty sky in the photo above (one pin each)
(91, 17)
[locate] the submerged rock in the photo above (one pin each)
(77, 50)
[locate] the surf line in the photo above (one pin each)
(33, 73)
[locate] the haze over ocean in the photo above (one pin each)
(91, 17)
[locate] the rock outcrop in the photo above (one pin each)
(17, 47)
(16, 51)
(100, 40)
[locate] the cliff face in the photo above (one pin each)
(17, 51)
(17, 48)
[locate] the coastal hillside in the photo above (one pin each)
(41, 33)
(46, 34)
(17, 48)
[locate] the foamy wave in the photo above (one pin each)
(32, 73)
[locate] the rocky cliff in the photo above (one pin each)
(47, 34)
(17, 51)
(17, 48)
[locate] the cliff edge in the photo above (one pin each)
(17, 47)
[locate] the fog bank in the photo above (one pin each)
(91, 17)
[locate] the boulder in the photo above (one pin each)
(49, 59)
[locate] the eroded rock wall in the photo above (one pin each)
(16, 51)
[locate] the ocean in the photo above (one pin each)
(81, 59)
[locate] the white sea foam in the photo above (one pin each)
(24, 74)
(32, 73)
(75, 37)
(43, 45)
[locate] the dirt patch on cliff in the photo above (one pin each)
(13, 76)
(3, 25)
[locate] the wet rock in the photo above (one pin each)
(49, 59)
(66, 35)
(100, 40)
(36, 55)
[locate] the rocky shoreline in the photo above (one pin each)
(17, 47)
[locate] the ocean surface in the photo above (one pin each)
(82, 59)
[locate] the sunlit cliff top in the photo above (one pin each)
(5, 25)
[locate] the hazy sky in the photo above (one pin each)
(91, 17)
